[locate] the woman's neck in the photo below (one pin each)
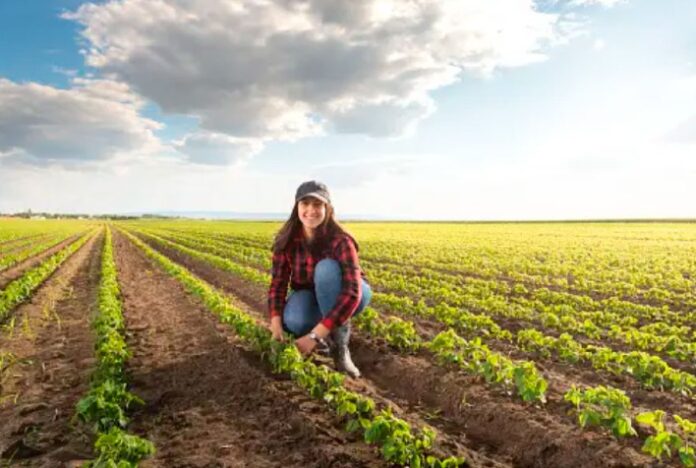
(309, 233)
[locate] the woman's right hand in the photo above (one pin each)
(277, 329)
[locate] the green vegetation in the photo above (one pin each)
(399, 443)
(108, 400)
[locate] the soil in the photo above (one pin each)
(54, 350)
(12, 273)
(560, 375)
(209, 401)
(461, 407)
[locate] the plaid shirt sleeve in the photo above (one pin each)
(351, 284)
(280, 277)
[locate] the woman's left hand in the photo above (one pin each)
(306, 345)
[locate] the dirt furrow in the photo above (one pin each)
(15, 271)
(460, 404)
(52, 350)
(209, 402)
(560, 375)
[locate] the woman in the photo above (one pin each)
(319, 259)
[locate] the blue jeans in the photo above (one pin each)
(305, 308)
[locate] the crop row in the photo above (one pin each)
(633, 267)
(108, 399)
(598, 406)
(21, 289)
(30, 251)
(614, 310)
(472, 356)
(20, 243)
(399, 443)
(608, 407)
(611, 318)
(604, 312)
(597, 325)
(619, 267)
(569, 283)
(650, 370)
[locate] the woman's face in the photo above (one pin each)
(312, 212)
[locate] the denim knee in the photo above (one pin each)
(301, 313)
(299, 322)
(296, 324)
(327, 271)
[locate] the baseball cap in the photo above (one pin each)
(312, 188)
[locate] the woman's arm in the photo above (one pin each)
(277, 293)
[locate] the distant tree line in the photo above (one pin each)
(42, 215)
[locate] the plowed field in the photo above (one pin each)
(531, 345)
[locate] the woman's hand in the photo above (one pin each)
(306, 345)
(277, 329)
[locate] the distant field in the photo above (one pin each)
(519, 344)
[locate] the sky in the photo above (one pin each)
(409, 109)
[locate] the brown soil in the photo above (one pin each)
(209, 402)
(15, 271)
(514, 325)
(560, 375)
(461, 406)
(53, 345)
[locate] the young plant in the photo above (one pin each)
(663, 442)
(602, 406)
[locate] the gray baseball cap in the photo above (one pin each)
(315, 189)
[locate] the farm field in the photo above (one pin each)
(486, 345)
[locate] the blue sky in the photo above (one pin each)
(582, 110)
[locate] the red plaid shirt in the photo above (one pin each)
(296, 266)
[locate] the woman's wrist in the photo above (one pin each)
(321, 331)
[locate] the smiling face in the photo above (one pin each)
(312, 212)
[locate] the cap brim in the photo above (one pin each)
(314, 195)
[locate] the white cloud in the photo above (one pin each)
(287, 69)
(217, 149)
(94, 121)
(360, 172)
(145, 185)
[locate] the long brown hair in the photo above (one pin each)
(326, 231)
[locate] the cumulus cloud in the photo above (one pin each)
(94, 120)
(217, 149)
(286, 69)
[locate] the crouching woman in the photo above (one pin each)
(319, 260)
